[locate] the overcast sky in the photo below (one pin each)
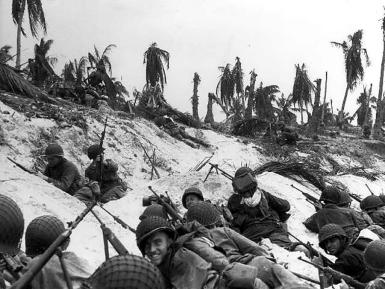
(200, 35)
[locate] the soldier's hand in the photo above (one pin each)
(40, 175)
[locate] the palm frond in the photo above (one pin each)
(13, 82)
(36, 16)
(108, 49)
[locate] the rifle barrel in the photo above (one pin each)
(168, 207)
(51, 250)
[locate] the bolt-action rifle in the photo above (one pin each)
(309, 198)
(21, 166)
(337, 275)
(118, 220)
(51, 250)
(170, 210)
(109, 236)
(102, 136)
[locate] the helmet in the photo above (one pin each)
(204, 213)
(126, 272)
(330, 194)
(374, 256)
(11, 224)
(345, 199)
(93, 151)
(149, 226)
(41, 233)
(371, 202)
(242, 171)
(329, 231)
(54, 150)
(154, 210)
(191, 191)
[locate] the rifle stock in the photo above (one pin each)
(26, 278)
(337, 275)
(312, 200)
(21, 166)
(167, 206)
(115, 242)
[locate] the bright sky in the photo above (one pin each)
(270, 36)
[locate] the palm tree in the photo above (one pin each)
(155, 58)
(41, 67)
(353, 51)
(101, 62)
(264, 96)
(225, 87)
(4, 54)
(209, 114)
(364, 112)
(284, 113)
(195, 96)
(377, 132)
(36, 19)
(250, 95)
(74, 71)
(302, 88)
(238, 82)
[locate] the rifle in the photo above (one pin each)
(102, 136)
(12, 265)
(309, 198)
(313, 252)
(170, 210)
(337, 275)
(21, 166)
(51, 250)
(118, 220)
(355, 197)
(109, 236)
(225, 174)
(371, 192)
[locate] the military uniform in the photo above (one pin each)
(65, 176)
(374, 258)
(261, 221)
(113, 187)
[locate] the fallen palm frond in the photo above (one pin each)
(250, 127)
(12, 82)
(361, 172)
(293, 169)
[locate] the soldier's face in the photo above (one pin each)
(190, 199)
(157, 247)
(53, 160)
(333, 245)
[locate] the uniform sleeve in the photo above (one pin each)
(245, 245)
(238, 217)
(277, 204)
(188, 270)
(311, 224)
(349, 265)
(66, 180)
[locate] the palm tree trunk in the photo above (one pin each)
(377, 133)
(18, 37)
(346, 93)
(324, 102)
(316, 113)
(195, 101)
(209, 114)
(366, 118)
(250, 101)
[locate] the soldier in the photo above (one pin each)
(12, 227)
(61, 172)
(184, 269)
(236, 248)
(374, 258)
(154, 210)
(192, 195)
(257, 214)
(125, 271)
(331, 212)
(374, 206)
(40, 234)
(350, 255)
(113, 187)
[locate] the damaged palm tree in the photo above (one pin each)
(36, 19)
(195, 97)
(264, 96)
(353, 54)
(41, 66)
(239, 103)
(155, 60)
(283, 109)
(225, 88)
(250, 95)
(209, 114)
(302, 88)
